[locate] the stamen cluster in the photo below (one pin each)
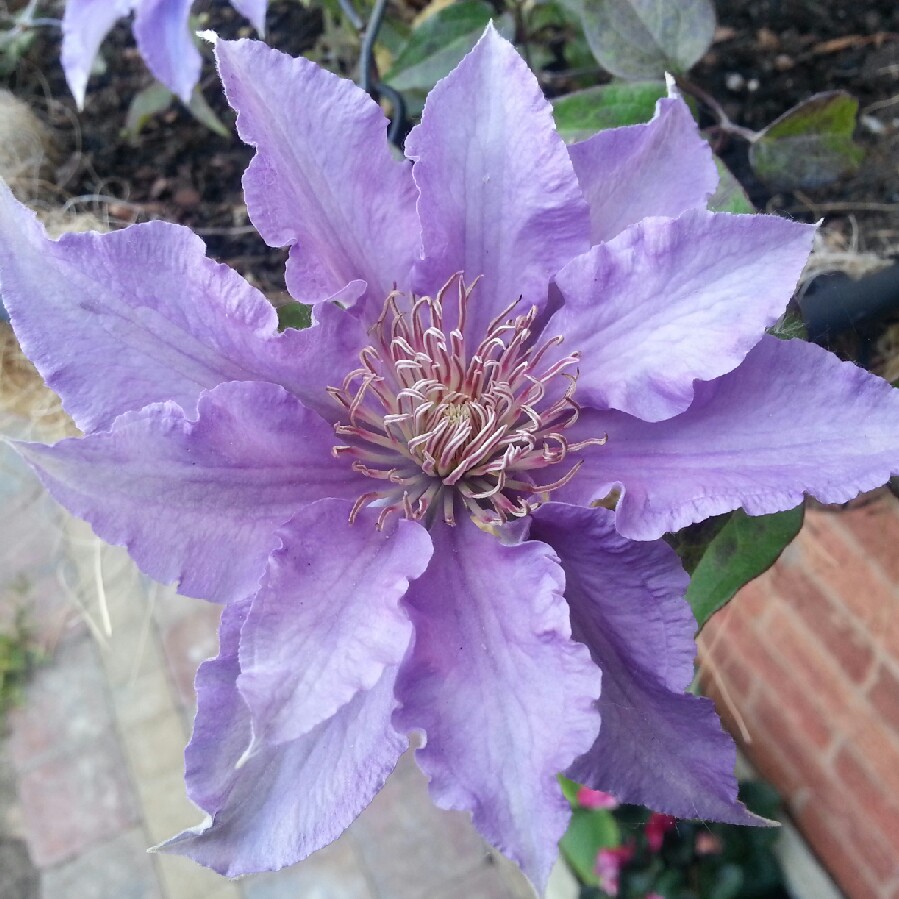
(440, 424)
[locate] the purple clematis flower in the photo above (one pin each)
(396, 505)
(160, 28)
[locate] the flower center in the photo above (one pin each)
(442, 426)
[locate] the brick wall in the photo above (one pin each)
(804, 666)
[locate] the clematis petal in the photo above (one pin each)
(330, 597)
(791, 420)
(199, 501)
(222, 727)
(277, 806)
(323, 180)
(254, 10)
(662, 168)
(165, 42)
(167, 321)
(499, 197)
(672, 300)
(505, 698)
(657, 745)
(84, 25)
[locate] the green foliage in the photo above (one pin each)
(585, 112)
(692, 541)
(294, 315)
(588, 832)
(639, 39)
(155, 99)
(809, 145)
(729, 196)
(205, 115)
(438, 43)
(14, 43)
(789, 326)
(743, 548)
(18, 656)
(696, 860)
(145, 105)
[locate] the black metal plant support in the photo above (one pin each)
(369, 80)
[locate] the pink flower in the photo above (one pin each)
(656, 828)
(708, 843)
(609, 863)
(595, 799)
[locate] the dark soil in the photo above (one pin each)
(772, 54)
(768, 55)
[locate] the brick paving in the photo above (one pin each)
(91, 769)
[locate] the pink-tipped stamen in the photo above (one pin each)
(436, 422)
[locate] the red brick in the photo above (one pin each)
(872, 851)
(830, 847)
(749, 669)
(780, 773)
(737, 678)
(835, 563)
(828, 797)
(867, 794)
(728, 624)
(876, 744)
(754, 599)
(849, 645)
(803, 658)
(875, 527)
(799, 706)
(785, 774)
(736, 636)
(797, 732)
(884, 696)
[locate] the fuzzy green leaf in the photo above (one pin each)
(729, 196)
(585, 112)
(810, 144)
(638, 39)
(588, 832)
(152, 100)
(437, 45)
(743, 549)
(294, 315)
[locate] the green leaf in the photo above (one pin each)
(729, 196)
(760, 797)
(438, 44)
(810, 144)
(691, 542)
(585, 112)
(789, 326)
(569, 788)
(154, 99)
(294, 315)
(728, 882)
(637, 39)
(204, 114)
(588, 832)
(13, 46)
(744, 548)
